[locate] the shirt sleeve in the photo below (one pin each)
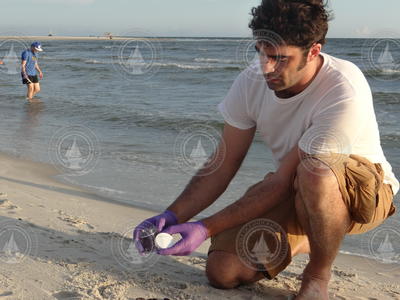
(335, 128)
(24, 55)
(234, 107)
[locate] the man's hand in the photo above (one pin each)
(165, 219)
(193, 235)
(40, 75)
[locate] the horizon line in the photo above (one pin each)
(158, 36)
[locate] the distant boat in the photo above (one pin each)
(109, 35)
(74, 156)
(50, 33)
(135, 62)
(386, 60)
(11, 61)
(198, 156)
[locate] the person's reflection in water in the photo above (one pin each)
(33, 108)
(25, 134)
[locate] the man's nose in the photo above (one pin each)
(267, 65)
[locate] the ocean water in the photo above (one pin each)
(132, 119)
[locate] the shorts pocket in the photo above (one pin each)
(362, 183)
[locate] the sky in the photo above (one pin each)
(353, 18)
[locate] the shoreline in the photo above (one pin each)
(74, 237)
(146, 208)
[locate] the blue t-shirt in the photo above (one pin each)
(31, 60)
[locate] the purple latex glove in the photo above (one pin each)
(193, 235)
(165, 219)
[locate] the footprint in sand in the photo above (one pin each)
(7, 204)
(66, 295)
(344, 274)
(4, 294)
(74, 221)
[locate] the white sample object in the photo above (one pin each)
(164, 240)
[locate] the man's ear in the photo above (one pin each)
(314, 52)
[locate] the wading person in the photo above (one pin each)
(29, 69)
(315, 112)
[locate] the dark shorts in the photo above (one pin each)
(369, 200)
(33, 79)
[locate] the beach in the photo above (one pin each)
(70, 246)
(109, 145)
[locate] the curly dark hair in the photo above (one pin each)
(299, 23)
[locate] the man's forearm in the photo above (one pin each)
(23, 70)
(260, 198)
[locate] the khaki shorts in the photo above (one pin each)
(369, 200)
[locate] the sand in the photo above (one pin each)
(72, 245)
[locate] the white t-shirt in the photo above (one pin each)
(335, 113)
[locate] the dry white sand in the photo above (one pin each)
(71, 246)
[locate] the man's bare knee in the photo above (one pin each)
(315, 180)
(225, 271)
(36, 88)
(219, 270)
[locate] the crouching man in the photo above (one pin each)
(315, 112)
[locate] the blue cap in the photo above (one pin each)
(37, 46)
